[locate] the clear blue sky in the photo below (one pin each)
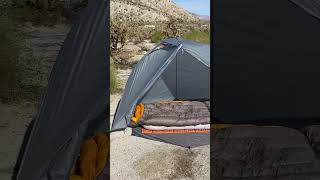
(201, 7)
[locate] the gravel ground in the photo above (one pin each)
(139, 158)
(14, 121)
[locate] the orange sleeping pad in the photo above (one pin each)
(173, 131)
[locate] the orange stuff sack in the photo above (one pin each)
(138, 112)
(88, 159)
(102, 142)
(76, 177)
(168, 102)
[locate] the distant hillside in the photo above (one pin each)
(149, 11)
(202, 17)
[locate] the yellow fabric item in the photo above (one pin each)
(103, 152)
(94, 155)
(138, 112)
(88, 159)
(76, 177)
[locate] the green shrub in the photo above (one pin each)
(22, 75)
(9, 51)
(9, 39)
(157, 37)
(198, 36)
(113, 78)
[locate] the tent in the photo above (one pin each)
(266, 59)
(266, 73)
(174, 69)
(76, 101)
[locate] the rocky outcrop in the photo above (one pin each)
(149, 11)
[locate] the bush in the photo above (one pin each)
(173, 27)
(157, 37)
(119, 30)
(113, 78)
(140, 33)
(9, 51)
(198, 36)
(22, 75)
(47, 12)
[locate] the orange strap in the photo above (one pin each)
(173, 131)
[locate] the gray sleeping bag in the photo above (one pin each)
(186, 113)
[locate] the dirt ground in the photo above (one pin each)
(14, 121)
